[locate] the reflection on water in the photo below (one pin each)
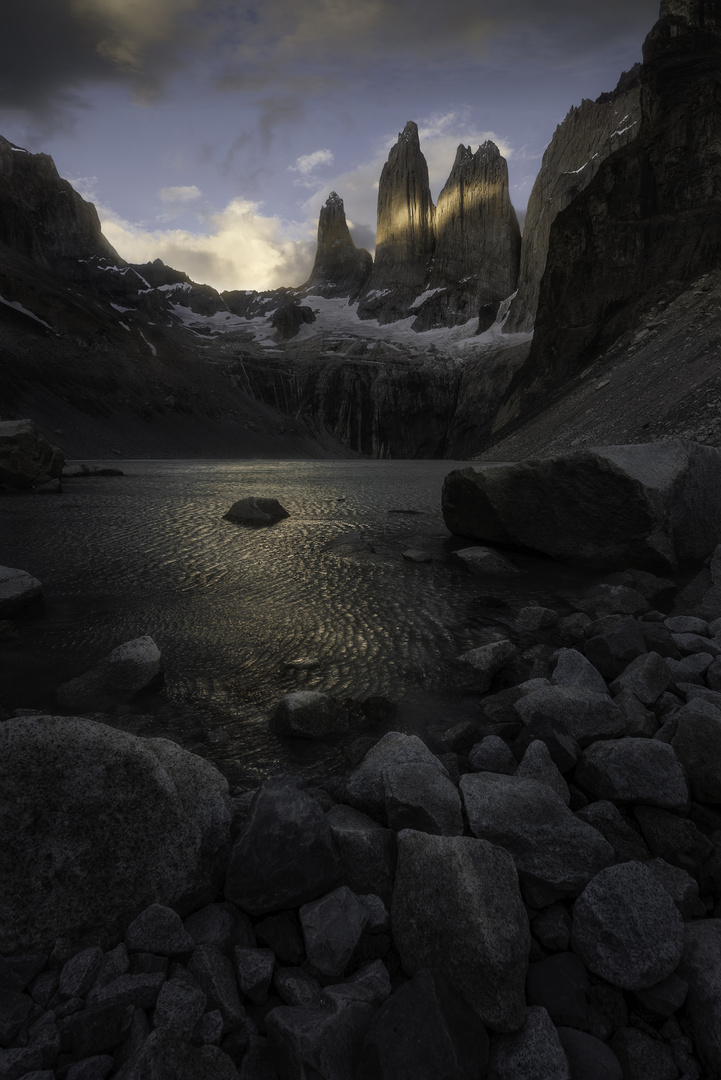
(150, 553)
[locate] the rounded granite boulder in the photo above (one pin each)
(97, 824)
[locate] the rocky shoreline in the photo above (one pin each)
(536, 895)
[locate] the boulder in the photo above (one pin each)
(697, 743)
(582, 714)
(701, 968)
(680, 886)
(676, 839)
(424, 1031)
(573, 669)
(254, 968)
(642, 1057)
(646, 677)
(633, 771)
(124, 673)
(180, 1004)
(366, 850)
(98, 824)
(306, 714)
(166, 1055)
(365, 789)
(17, 589)
(159, 930)
(332, 927)
(418, 796)
(555, 854)
(26, 457)
(457, 908)
(537, 764)
(486, 661)
(532, 1052)
(612, 649)
(626, 928)
(552, 927)
(655, 506)
(320, 1041)
(492, 754)
(624, 840)
(215, 976)
(588, 1057)
(256, 511)
(285, 855)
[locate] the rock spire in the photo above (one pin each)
(340, 268)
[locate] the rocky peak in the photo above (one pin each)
(404, 238)
(478, 240)
(580, 145)
(42, 217)
(340, 268)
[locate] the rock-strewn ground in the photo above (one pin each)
(566, 844)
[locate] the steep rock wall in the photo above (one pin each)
(340, 268)
(580, 145)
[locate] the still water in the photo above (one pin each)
(230, 606)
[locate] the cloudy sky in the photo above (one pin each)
(209, 132)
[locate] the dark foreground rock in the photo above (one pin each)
(26, 458)
(654, 506)
(97, 824)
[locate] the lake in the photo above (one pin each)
(230, 606)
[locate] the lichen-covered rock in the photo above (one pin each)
(626, 927)
(98, 824)
(457, 908)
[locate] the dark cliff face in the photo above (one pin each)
(588, 135)
(42, 217)
(340, 268)
(650, 221)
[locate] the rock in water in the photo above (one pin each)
(124, 673)
(17, 588)
(26, 458)
(655, 506)
(580, 145)
(255, 511)
(340, 268)
(405, 239)
(306, 714)
(97, 825)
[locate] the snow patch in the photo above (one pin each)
(150, 345)
(423, 297)
(122, 310)
(18, 307)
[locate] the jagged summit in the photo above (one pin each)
(42, 216)
(340, 268)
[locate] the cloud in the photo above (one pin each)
(307, 162)
(240, 249)
(53, 51)
(179, 194)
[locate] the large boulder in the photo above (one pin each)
(365, 787)
(555, 853)
(26, 458)
(457, 908)
(633, 771)
(17, 589)
(125, 672)
(655, 506)
(256, 511)
(97, 824)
